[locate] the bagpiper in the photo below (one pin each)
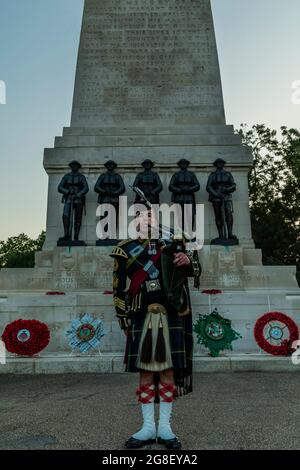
(155, 314)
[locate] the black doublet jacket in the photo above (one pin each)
(129, 256)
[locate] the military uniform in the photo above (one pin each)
(157, 289)
(109, 186)
(149, 182)
(183, 186)
(74, 188)
(220, 182)
(220, 186)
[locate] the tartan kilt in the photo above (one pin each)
(181, 345)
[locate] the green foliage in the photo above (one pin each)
(274, 193)
(18, 252)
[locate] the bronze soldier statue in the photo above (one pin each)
(220, 186)
(183, 186)
(149, 182)
(74, 187)
(110, 186)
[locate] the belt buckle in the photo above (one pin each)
(153, 285)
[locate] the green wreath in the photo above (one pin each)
(215, 332)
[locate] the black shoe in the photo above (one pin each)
(133, 443)
(170, 443)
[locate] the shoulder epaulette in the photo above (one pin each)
(118, 251)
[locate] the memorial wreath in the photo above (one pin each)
(275, 333)
(26, 337)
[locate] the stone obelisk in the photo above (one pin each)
(147, 62)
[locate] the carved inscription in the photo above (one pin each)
(147, 60)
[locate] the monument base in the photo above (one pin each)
(90, 268)
(225, 241)
(113, 363)
(84, 275)
(63, 242)
(243, 308)
(108, 242)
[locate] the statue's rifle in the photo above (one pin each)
(225, 228)
(71, 217)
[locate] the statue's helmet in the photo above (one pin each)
(110, 162)
(75, 162)
(148, 161)
(219, 160)
(183, 160)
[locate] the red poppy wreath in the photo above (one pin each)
(26, 337)
(275, 333)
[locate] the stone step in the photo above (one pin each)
(146, 140)
(163, 156)
(149, 130)
(113, 363)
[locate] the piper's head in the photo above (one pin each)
(146, 220)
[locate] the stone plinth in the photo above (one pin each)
(165, 146)
(90, 269)
(113, 363)
(243, 308)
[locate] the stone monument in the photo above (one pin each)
(147, 86)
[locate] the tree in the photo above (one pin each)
(18, 252)
(274, 193)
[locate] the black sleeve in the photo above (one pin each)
(121, 189)
(209, 187)
(119, 290)
(85, 187)
(173, 185)
(98, 186)
(61, 187)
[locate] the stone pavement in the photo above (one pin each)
(99, 411)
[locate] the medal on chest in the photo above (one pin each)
(152, 251)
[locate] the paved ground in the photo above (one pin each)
(226, 411)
